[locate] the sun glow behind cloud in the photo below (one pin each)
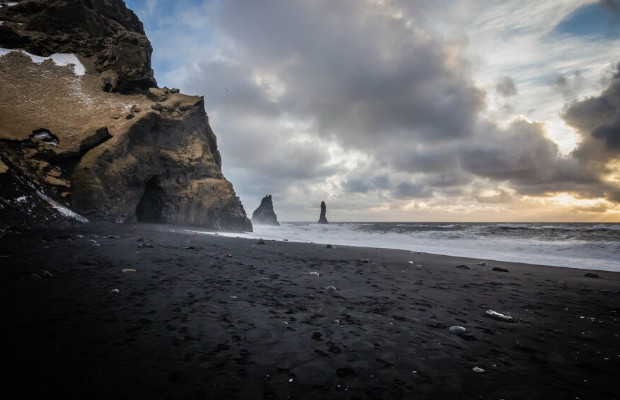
(401, 110)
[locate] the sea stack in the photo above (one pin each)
(322, 219)
(264, 214)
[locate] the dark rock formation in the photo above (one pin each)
(105, 32)
(322, 218)
(264, 214)
(141, 154)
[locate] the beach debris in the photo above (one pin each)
(115, 291)
(128, 270)
(591, 275)
(478, 370)
(482, 264)
(410, 262)
(365, 260)
(315, 273)
(457, 330)
(145, 246)
(47, 274)
(500, 269)
(260, 241)
(331, 289)
(463, 266)
(499, 316)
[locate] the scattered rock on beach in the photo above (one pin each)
(260, 241)
(47, 274)
(591, 275)
(457, 330)
(478, 370)
(463, 266)
(329, 246)
(145, 246)
(315, 273)
(331, 289)
(482, 264)
(365, 260)
(128, 270)
(499, 316)
(500, 269)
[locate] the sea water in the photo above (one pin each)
(575, 245)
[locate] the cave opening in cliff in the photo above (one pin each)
(150, 208)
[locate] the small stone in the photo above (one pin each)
(457, 330)
(329, 246)
(260, 241)
(478, 370)
(331, 289)
(129, 116)
(174, 90)
(315, 273)
(482, 264)
(47, 274)
(463, 266)
(128, 270)
(365, 260)
(229, 255)
(115, 291)
(591, 275)
(500, 269)
(189, 248)
(499, 316)
(145, 246)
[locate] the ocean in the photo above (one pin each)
(575, 245)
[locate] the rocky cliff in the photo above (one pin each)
(102, 141)
(264, 214)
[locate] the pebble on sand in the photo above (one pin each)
(499, 316)
(463, 266)
(500, 269)
(478, 369)
(591, 275)
(260, 241)
(315, 273)
(331, 289)
(128, 270)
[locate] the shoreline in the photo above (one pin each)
(136, 311)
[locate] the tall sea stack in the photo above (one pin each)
(264, 214)
(102, 139)
(322, 218)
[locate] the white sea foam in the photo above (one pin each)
(61, 59)
(585, 246)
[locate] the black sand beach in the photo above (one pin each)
(134, 311)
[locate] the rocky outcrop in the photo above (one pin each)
(107, 144)
(322, 218)
(264, 214)
(105, 33)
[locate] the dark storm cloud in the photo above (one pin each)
(506, 87)
(395, 84)
(597, 120)
(409, 190)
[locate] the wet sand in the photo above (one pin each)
(135, 311)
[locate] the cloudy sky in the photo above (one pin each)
(405, 110)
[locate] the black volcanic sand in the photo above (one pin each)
(212, 317)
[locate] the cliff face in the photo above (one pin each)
(107, 143)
